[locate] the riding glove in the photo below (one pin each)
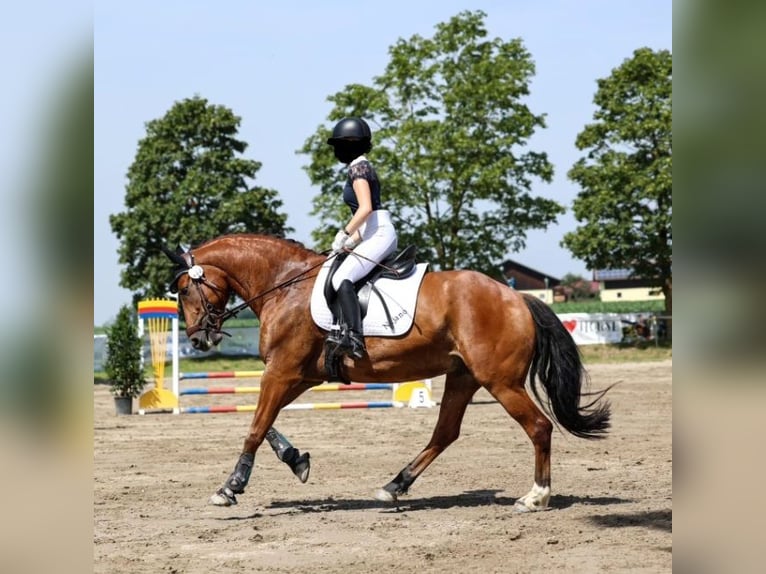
(351, 241)
(340, 240)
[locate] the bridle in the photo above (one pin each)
(212, 320)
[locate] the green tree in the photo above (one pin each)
(187, 184)
(123, 355)
(450, 145)
(625, 204)
(576, 287)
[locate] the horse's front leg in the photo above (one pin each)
(274, 395)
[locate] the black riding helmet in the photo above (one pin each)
(350, 129)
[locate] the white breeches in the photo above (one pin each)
(378, 242)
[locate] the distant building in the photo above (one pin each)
(576, 291)
(523, 278)
(618, 285)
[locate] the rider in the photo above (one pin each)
(369, 234)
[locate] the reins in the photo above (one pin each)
(229, 313)
(386, 267)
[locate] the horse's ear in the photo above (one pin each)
(175, 256)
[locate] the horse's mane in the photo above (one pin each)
(257, 236)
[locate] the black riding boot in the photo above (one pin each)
(351, 320)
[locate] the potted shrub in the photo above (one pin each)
(123, 360)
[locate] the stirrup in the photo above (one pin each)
(357, 348)
(334, 338)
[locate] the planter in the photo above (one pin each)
(123, 405)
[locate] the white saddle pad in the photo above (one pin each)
(400, 294)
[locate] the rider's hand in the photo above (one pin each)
(340, 240)
(352, 241)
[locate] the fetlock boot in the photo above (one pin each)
(351, 319)
(299, 463)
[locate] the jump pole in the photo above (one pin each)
(296, 407)
(414, 394)
(221, 375)
(322, 387)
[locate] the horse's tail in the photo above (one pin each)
(558, 365)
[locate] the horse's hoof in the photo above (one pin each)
(302, 467)
(521, 507)
(384, 496)
(535, 500)
(222, 498)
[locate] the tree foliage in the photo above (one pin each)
(188, 183)
(123, 355)
(625, 204)
(576, 287)
(450, 131)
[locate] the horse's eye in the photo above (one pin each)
(184, 291)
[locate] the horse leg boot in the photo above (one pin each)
(299, 463)
(351, 318)
(236, 483)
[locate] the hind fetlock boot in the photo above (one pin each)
(351, 319)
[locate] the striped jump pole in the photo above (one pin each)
(297, 407)
(412, 394)
(221, 375)
(323, 387)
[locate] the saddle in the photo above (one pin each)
(397, 266)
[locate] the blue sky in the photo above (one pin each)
(275, 63)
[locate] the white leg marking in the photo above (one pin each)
(535, 499)
(385, 496)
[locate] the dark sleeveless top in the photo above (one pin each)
(362, 170)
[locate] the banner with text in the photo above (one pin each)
(600, 328)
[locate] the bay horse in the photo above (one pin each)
(475, 330)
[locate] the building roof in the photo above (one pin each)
(509, 265)
(612, 274)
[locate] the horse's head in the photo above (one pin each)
(203, 291)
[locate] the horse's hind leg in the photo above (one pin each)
(299, 463)
(458, 390)
(520, 406)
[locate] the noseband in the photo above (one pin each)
(212, 319)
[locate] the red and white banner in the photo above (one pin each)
(600, 328)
